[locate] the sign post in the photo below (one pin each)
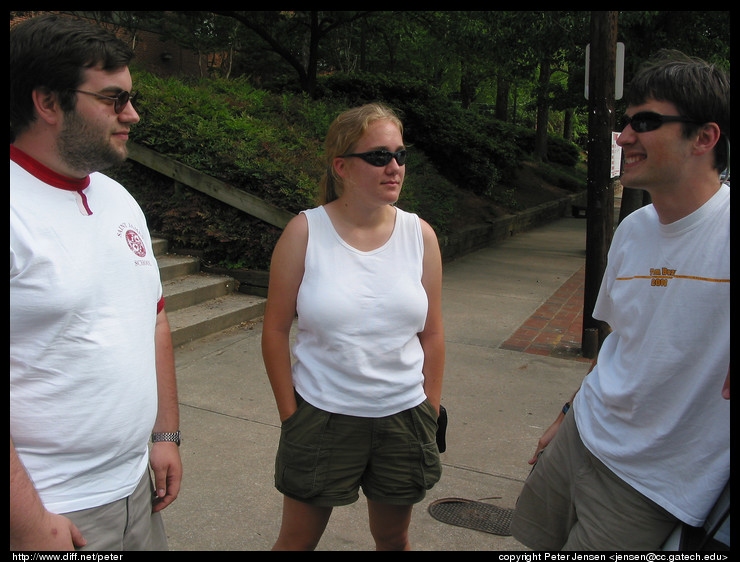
(601, 72)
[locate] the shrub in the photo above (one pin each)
(270, 144)
(471, 151)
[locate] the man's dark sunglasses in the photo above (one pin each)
(119, 101)
(645, 121)
(380, 158)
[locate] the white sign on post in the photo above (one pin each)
(619, 71)
(616, 157)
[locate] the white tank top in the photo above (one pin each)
(357, 348)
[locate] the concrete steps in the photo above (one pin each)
(199, 304)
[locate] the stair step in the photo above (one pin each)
(199, 304)
(212, 316)
(172, 266)
(159, 245)
(188, 290)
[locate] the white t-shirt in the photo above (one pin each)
(652, 409)
(84, 294)
(357, 348)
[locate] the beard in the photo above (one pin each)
(86, 148)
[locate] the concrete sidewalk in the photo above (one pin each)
(499, 399)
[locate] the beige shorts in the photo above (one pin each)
(572, 501)
(126, 524)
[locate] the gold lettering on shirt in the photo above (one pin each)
(659, 277)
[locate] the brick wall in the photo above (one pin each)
(163, 58)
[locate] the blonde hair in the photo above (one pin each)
(343, 134)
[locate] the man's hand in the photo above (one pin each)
(167, 467)
(546, 438)
(49, 532)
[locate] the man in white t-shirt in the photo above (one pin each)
(92, 374)
(645, 443)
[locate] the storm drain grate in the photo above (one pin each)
(472, 515)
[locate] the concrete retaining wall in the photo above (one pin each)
(453, 246)
(479, 236)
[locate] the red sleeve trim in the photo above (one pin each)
(160, 305)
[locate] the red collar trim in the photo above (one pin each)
(46, 175)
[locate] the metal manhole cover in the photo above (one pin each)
(473, 515)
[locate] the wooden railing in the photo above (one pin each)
(211, 186)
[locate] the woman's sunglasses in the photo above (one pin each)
(645, 121)
(119, 101)
(380, 158)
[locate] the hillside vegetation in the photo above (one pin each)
(463, 167)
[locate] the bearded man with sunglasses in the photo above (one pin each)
(644, 446)
(92, 373)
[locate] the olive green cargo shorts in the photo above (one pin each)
(324, 459)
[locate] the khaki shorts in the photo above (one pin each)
(125, 524)
(324, 459)
(572, 501)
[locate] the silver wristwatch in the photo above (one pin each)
(173, 437)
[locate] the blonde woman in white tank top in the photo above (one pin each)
(365, 280)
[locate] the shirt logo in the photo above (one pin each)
(660, 276)
(134, 242)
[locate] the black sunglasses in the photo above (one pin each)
(645, 121)
(380, 158)
(119, 101)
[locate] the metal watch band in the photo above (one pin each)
(172, 436)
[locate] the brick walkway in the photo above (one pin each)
(555, 329)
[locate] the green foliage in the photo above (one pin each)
(270, 144)
(474, 151)
(428, 194)
(559, 150)
(465, 148)
(564, 177)
(267, 144)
